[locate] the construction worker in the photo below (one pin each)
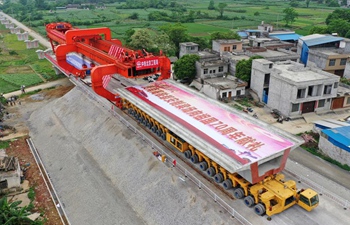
(23, 89)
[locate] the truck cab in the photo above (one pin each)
(308, 199)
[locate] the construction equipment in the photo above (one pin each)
(242, 154)
(101, 56)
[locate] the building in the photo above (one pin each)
(278, 54)
(265, 27)
(292, 88)
(188, 48)
(211, 69)
(233, 59)
(10, 173)
(289, 36)
(342, 100)
(335, 143)
(269, 43)
(227, 45)
(327, 52)
(223, 88)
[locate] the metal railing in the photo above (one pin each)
(57, 202)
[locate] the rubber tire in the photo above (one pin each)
(188, 154)
(203, 165)
(219, 178)
(163, 136)
(159, 132)
(194, 159)
(148, 125)
(238, 193)
(249, 201)
(227, 184)
(259, 209)
(130, 111)
(144, 122)
(211, 171)
(154, 129)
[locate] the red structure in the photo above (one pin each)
(107, 55)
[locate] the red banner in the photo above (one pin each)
(142, 64)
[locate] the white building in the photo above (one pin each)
(292, 88)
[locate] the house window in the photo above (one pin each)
(295, 107)
(301, 93)
(270, 65)
(336, 85)
(226, 49)
(321, 103)
(224, 94)
(193, 48)
(267, 79)
(234, 47)
(343, 62)
(205, 71)
(348, 100)
(327, 89)
(212, 71)
(331, 62)
(238, 93)
(221, 68)
(309, 92)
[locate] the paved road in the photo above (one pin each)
(43, 41)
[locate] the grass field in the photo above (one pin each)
(20, 66)
(242, 12)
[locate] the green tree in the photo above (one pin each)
(307, 3)
(339, 26)
(185, 67)
(338, 14)
(244, 68)
(290, 15)
(177, 34)
(318, 30)
(211, 5)
(12, 214)
(134, 16)
(163, 42)
(333, 4)
(223, 35)
(221, 8)
(294, 3)
(141, 39)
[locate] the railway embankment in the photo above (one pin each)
(113, 177)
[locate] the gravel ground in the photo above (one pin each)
(105, 175)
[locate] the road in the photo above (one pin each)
(43, 41)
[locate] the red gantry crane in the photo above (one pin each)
(107, 56)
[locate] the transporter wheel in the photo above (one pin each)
(153, 129)
(218, 177)
(159, 132)
(259, 209)
(227, 184)
(130, 111)
(148, 125)
(194, 158)
(203, 165)
(249, 201)
(238, 193)
(211, 171)
(144, 122)
(188, 154)
(163, 136)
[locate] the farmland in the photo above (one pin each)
(239, 15)
(20, 66)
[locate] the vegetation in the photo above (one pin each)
(185, 68)
(290, 15)
(4, 144)
(12, 214)
(336, 22)
(312, 147)
(244, 68)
